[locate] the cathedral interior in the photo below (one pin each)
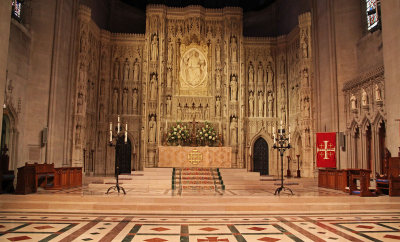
(72, 70)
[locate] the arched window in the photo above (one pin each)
(372, 10)
(16, 9)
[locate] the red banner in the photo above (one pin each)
(326, 150)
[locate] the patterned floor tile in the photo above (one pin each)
(212, 238)
(257, 229)
(267, 237)
(366, 227)
(43, 227)
(156, 238)
(160, 229)
(23, 237)
(4, 226)
(209, 229)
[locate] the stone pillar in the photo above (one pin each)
(5, 20)
(391, 58)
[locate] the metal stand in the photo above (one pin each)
(115, 138)
(117, 187)
(282, 143)
(298, 167)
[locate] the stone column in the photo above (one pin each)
(391, 58)
(5, 20)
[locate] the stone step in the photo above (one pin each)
(193, 204)
(95, 187)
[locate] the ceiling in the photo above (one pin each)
(247, 5)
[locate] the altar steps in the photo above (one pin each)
(151, 179)
(187, 180)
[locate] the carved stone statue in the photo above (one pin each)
(260, 104)
(307, 107)
(234, 49)
(125, 101)
(364, 98)
(353, 102)
(136, 70)
(218, 53)
(378, 94)
(234, 88)
(115, 101)
(269, 73)
(193, 67)
(234, 129)
(224, 111)
(134, 100)
(169, 105)
(251, 104)
(152, 130)
(207, 112)
(270, 105)
(116, 69)
(218, 79)
(126, 70)
(251, 73)
(82, 74)
(304, 44)
(304, 79)
(170, 52)
(153, 87)
(169, 78)
(218, 107)
(154, 48)
(260, 73)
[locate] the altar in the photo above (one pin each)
(186, 156)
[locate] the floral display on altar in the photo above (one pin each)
(205, 135)
(178, 134)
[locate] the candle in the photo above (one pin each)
(110, 131)
(289, 134)
(119, 119)
(110, 126)
(126, 133)
(119, 125)
(273, 133)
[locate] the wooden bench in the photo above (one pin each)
(333, 179)
(390, 183)
(32, 176)
(363, 176)
(67, 177)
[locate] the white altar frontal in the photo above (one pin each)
(186, 156)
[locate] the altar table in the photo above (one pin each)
(186, 156)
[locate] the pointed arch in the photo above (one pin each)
(262, 135)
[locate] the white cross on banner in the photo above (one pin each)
(326, 150)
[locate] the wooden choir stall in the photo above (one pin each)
(32, 176)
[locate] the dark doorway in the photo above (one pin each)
(260, 156)
(123, 155)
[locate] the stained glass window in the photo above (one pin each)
(16, 9)
(372, 14)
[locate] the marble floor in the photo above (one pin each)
(59, 226)
(311, 214)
